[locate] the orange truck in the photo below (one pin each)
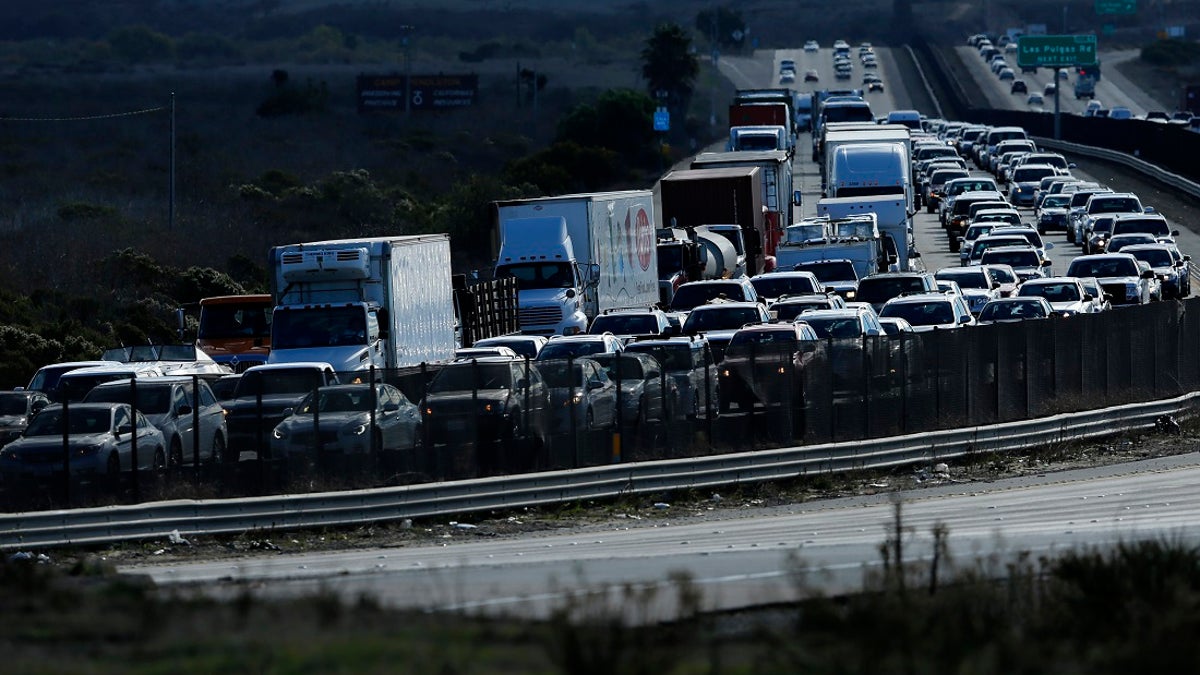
(236, 329)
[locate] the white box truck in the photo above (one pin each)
(575, 256)
(355, 303)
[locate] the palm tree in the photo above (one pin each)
(668, 65)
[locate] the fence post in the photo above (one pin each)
(708, 402)
(66, 448)
(196, 429)
(616, 437)
(574, 424)
(133, 440)
(375, 450)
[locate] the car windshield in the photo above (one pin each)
(1014, 258)
(1114, 205)
(689, 297)
(1055, 201)
(630, 366)
(882, 289)
(1002, 275)
(1154, 226)
(929, 313)
(1032, 174)
(469, 376)
(525, 348)
(835, 326)
(1053, 292)
(972, 278)
(1158, 257)
(720, 318)
(1102, 225)
(83, 421)
(774, 287)
(789, 311)
(224, 388)
(977, 231)
(959, 187)
(564, 349)
(13, 404)
(999, 311)
(277, 381)
(151, 399)
(982, 245)
(830, 271)
(672, 357)
(1104, 267)
(624, 324)
(752, 342)
(351, 399)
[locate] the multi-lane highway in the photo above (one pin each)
(744, 556)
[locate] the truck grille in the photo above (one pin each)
(540, 315)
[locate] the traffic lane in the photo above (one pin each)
(997, 91)
(822, 62)
(933, 242)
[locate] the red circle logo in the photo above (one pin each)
(644, 236)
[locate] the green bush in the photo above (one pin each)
(1171, 53)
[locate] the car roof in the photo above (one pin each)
(723, 305)
(849, 312)
(118, 369)
(285, 366)
(921, 297)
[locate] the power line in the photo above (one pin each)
(130, 113)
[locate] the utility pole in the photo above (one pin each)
(171, 188)
(407, 43)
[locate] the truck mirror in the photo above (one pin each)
(797, 198)
(1174, 233)
(914, 254)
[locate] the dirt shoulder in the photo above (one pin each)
(744, 501)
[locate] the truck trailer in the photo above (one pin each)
(385, 302)
(719, 196)
(576, 256)
(780, 197)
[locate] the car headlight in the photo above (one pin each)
(11, 455)
(850, 295)
(88, 450)
(278, 433)
(356, 430)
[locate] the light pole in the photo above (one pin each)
(406, 43)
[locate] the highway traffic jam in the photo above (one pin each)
(719, 307)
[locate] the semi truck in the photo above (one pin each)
(692, 254)
(768, 96)
(780, 196)
(235, 330)
(720, 196)
(385, 302)
(869, 169)
(576, 256)
(893, 220)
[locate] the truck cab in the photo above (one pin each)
(235, 330)
(539, 254)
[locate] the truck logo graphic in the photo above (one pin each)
(644, 237)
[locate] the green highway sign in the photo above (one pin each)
(1056, 51)
(1116, 6)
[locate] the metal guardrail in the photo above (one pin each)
(1172, 180)
(211, 517)
(937, 105)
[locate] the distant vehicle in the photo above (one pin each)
(526, 346)
(787, 77)
(99, 443)
(582, 396)
(642, 381)
(688, 362)
(344, 415)
(576, 346)
(173, 406)
(812, 46)
(1050, 88)
(875, 86)
(1004, 310)
(812, 76)
(46, 379)
(1035, 99)
(17, 408)
(1018, 87)
(786, 65)
(1120, 113)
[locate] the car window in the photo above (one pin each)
(206, 395)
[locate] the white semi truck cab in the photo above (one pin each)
(553, 285)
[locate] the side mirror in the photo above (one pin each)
(1048, 246)
(39, 406)
(797, 198)
(964, 319)
(1174, 233)
(1046, 263)
(1071, 165)
(1087, 297)
(1147, 274)
(184, 409)
(1149, 209)
(522, 383)
(914, 254)
(391, 406)
(124, 429)
(287, 412)
(593, 385)
(653, 374)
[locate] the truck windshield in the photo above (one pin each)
(319, 327)
(224, 321)
(531, 276)
(670, 261)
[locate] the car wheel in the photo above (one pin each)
(175, 459)
(218, 450)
